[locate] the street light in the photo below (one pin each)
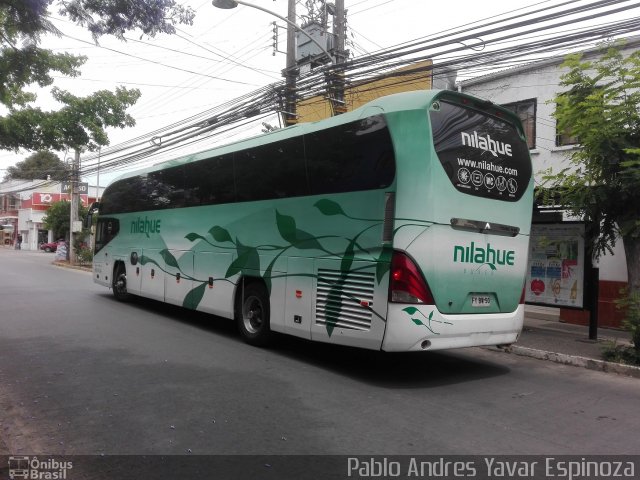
(228, 4)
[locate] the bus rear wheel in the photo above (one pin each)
(119, 284)
(253, 314)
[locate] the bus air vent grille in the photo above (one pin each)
(345, 300)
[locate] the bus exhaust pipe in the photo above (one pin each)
(425, 344)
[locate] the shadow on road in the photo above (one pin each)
(387, 370)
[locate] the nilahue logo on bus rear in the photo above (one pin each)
(486, 143)
(483, 255)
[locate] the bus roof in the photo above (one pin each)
(404, 101)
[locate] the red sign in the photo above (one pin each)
(47, 199)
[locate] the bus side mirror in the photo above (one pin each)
(88, 220)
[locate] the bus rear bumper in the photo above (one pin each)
(413, 328)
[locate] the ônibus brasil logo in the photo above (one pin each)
(479, 255)
(31, 468)
(145, 226)
(486, 143)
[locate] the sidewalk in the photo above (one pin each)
(546, 338)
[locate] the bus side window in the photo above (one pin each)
(106, 230)
(351, 157)
(210, 182)
(274, 170)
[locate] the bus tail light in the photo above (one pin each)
(521, 302)
(406, 284)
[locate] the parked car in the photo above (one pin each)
(49, 247)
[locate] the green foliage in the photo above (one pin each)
(621, 354)
(81, 122)
(84, 255)
(602, 182)
(39, 165)
(630, 303)
(57, 218)
(150, 16)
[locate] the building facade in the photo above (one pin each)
(23, 205)
(530, 91)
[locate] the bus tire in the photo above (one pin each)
(119, 283)
(253, 314)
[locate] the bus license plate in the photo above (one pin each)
(480, 301)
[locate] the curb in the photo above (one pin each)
(58, 263)
(562, 358)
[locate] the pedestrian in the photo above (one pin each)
(19, 242)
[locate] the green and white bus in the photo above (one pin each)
(400, 226)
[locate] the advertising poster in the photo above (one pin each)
(555, 274)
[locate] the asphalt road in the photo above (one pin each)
(83, 374)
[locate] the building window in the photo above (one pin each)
(565, 138)
(526, 111)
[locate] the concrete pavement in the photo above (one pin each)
(546, 338)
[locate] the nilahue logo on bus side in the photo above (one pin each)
(486, 143)
(479, 255)
(146, 226)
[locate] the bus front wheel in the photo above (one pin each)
(119, 284)
(252, 313)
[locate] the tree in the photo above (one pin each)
(602, 182)
(57, 218)
(23, 63)
(39, 166)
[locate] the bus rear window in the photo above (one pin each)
(482, 155)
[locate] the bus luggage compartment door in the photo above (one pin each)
(298, 297)
(347, 305)
(152, 275)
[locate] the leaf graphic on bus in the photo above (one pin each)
(383, 263)
(329, 207)
(267, 275)
(248, 259)
(410, 310)
(169, 259)
(220, 234)
(287, 227)
(267, 272)
(296, 237)
(144, 260)
(192, 237)
(194, 297)
(347, 258)
(420, 323)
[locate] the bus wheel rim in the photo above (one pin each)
(121, 283)
(252, 314)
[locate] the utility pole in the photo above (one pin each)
(291, 71)
(339, 31)
(75, 201)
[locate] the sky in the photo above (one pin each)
(228, 53)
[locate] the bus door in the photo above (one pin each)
(349, 306)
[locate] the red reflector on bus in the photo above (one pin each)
(407, 285)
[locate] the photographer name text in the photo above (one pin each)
(490, 467)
